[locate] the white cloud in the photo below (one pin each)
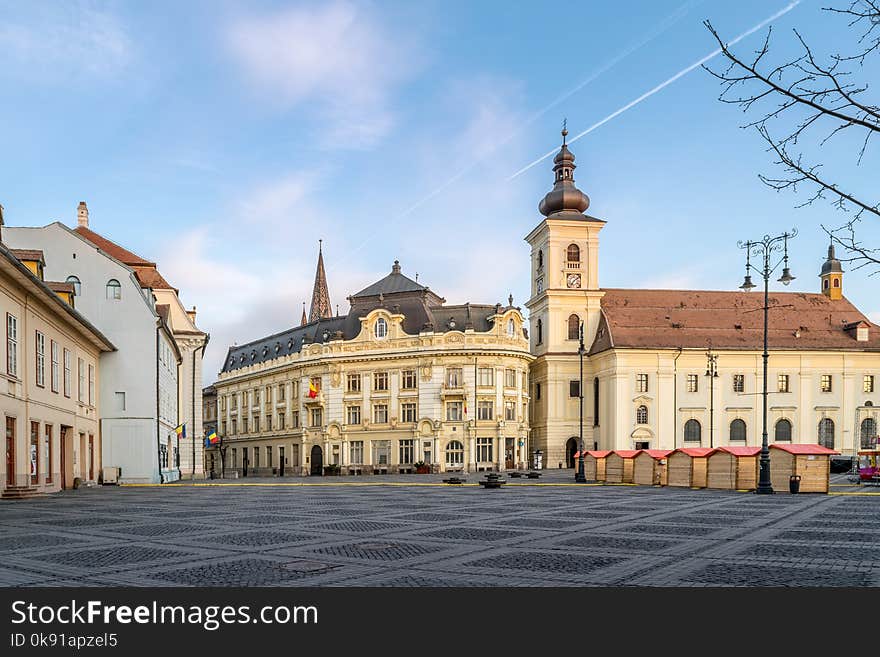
(335, 56)
(65, 40)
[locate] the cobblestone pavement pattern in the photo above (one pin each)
(341, 534)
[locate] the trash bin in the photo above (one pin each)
(794, 483)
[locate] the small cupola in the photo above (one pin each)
(564, 198)
(832, 276)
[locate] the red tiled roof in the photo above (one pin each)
(123, 255)
(57, 286)
(696, 452)
(599, 453)
(657, 453)
(740, 451)
(151, 278)
(29, 254)
(627, 453)
(799, 448)
(728, 320)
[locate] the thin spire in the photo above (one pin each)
(321, 307)
(304, 319)
(564, 130)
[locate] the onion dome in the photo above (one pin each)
(832, 264)
(564, 198)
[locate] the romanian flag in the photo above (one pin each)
(212, 439)
(180, 430)
(313, 389)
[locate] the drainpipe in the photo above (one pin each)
(675, 397)
(158, 425)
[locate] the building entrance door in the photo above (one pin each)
(508, 454)
(317, 460)
(571, 448)
(281, 461)
(10, 451)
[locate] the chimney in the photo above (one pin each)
(189, 313)
(82, 215)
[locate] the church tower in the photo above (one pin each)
(320, 293)
(565, 295)
(832, 276)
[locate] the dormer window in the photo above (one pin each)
(277, 348)
(290, 344)
(511, 327)
(242, 359)
(265, 350)
(380, 329)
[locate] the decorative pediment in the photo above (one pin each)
(643, 399)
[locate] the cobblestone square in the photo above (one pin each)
(415, 531)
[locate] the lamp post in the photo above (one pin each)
(580, 477)
(764, 249)
(712, 373)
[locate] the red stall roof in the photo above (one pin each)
(627, 453)
(658, 453)
(696, 452)
(799, 448)
(599, 453)
(741, 451)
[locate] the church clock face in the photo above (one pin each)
(573, 280)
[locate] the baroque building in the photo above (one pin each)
(401, 379)
(648, 353)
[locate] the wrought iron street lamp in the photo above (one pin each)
(764, 249)
(712, 373)
(580, 477)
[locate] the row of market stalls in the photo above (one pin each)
(727, 468)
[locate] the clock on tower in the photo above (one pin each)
(573, 280)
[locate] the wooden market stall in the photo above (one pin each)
(594, 464)
(687, 466)
(733, 468)
(619, 466)
(812, 463)
(649, 467)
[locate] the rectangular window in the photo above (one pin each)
(574, 388)
(11, 345)
(408, 412)
(316, 417)
(257, 397)
(91, 385)
(408, 380)
(35, 452)
(268, 395)
(510, 378)
(407, 450)
(353, 383)
(268, 456)
(67, 372)
(782, 383)
(56, 366)
(825, 384)
(47, 453)
(484, 450)
(256, 424)
(353, 414)
(537, 391)
(120, 401)
(234, 457)
(454, 377)
(453, 411)
(281, 420)
(282, 390)
(381, 452)
(380, 381)
(693, 382)
(739, 382)
(380, 413)
(509, 411)
(294, 419)
(485, 410)
(868, 383)
(268, 423)
(244, 425)
(223, 428)
(81, 367)
(641, 383)
(486, 376)
(356, 452)
(41, 359)
(256, 457)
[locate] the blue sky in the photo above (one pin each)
(223, 139)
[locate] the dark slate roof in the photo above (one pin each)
(393, 282)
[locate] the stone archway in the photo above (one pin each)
(571, 447)
(317, 460)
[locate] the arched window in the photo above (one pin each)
(642, 415)
(114, 289)
(826, 432)
(596, 402)
(77, 286)
(868, 433)
(738, 431)
(573, 253)
(692, 431)
(381, 328)
(783, 432)
(454, 453)
(539, 332)
(540, 259)
(836, 282)
(574, 327)
(825, 284)
(511, 327)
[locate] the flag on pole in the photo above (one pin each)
(313, 389)
(180, 430)
(211, 440)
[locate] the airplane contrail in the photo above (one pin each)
(662, 85)
(656, 31)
